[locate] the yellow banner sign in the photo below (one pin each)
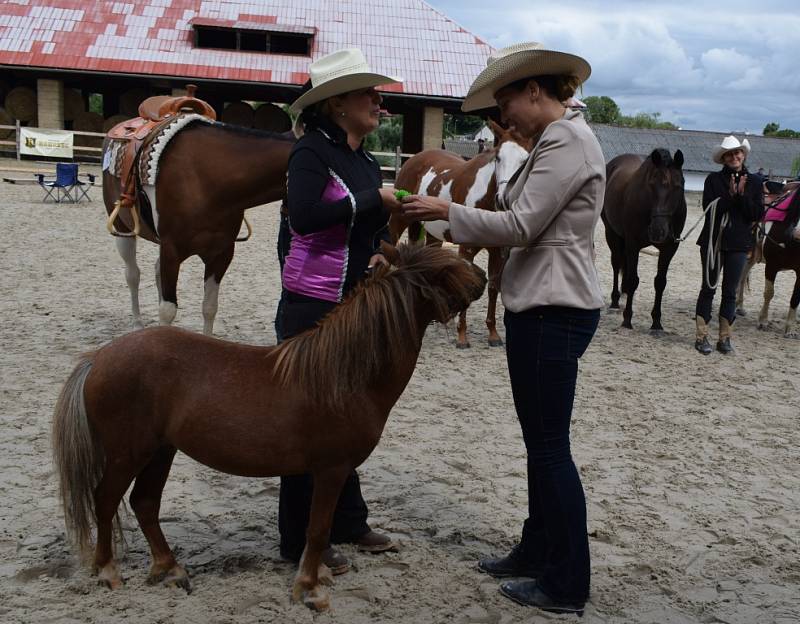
(40, 142)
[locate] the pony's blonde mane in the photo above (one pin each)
(353, 347)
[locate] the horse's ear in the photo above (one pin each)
(496, 129)
(655, 157)
(390, 252)
(678, 159)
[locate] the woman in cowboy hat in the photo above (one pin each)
(726, 238)
(338, 212)
(548, 213)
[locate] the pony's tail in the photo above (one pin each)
(78, 456)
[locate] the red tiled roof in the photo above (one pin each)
(409, 38)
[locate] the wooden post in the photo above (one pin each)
(397, 162)
(18, 139)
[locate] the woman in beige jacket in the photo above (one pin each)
(547, 216)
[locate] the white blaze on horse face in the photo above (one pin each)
(510, 157)
(480, 185)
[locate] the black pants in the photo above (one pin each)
(284, 242)
(732, 264)
(298, 313)
(543, 346)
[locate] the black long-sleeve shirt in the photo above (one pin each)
(742, 210)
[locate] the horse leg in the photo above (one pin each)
(169, 266)
(744, 284)
(311, 571)
(495, 271)
(792, 330)
(145, 500)
(665, 255)
(107, 496)
(215, 271)
(462, 342)
(769, 293)
(158, 279)
(617, 246)
(126, 246)
(630, 282)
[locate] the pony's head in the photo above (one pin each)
(438, 278)
(663, 185)
(511, 150)
(381, 321)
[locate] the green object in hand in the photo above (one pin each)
(400, 194)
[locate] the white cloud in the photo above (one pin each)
(702, 64)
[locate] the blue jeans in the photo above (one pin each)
(543, 346)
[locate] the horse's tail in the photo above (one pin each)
(78, 455)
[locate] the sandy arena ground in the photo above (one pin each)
(690, 463)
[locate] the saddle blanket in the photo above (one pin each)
(779, 211)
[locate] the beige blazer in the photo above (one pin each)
(552, 207)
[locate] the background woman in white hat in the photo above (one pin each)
(338, 212)
(729, 228)
(552, 298)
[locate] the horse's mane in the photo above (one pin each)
(255, 132)
(353, 347)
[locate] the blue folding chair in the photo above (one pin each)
(82, 188)
(61, 189)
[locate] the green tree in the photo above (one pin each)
(646, 120)
(96, 103)
(770, 128)
(460, 125)
(602, 109)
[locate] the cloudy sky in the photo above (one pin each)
(725, 66)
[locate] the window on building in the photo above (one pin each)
(252, 40)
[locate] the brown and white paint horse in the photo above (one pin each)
(778, 246)
(208, 174)
(473, 183)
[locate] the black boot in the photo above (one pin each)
(513, 564)
(529, 594)
(703, 346)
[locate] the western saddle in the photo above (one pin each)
(154, 113)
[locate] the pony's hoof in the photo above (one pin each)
(626, 325)
(657, 332)
(496, 343)
(324, 575)
(137, 325)
(462, 345)
(174, 577)
(762, 326)
(108, 575)
(741, 312)
(315, 598)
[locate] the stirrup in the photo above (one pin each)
(112, 217)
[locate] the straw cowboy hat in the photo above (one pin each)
(728, 144)
(337, 73)
(519, 61)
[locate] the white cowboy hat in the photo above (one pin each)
(728, 144)
(523, 60)
(337, 73)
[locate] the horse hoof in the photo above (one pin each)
(462, 345)
(109, 576)
(496, 343)
(324, 575)
(657, 332)
(174, 577)
(741, 312)
(626, 325)
(315, 598)
(762, 326)
(137, 325)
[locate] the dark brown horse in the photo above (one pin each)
(207, 176)
(644, 205)
(315, 404)
(472, 183)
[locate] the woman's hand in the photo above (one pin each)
(425, 208)
(375, 260)
(390, 202)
